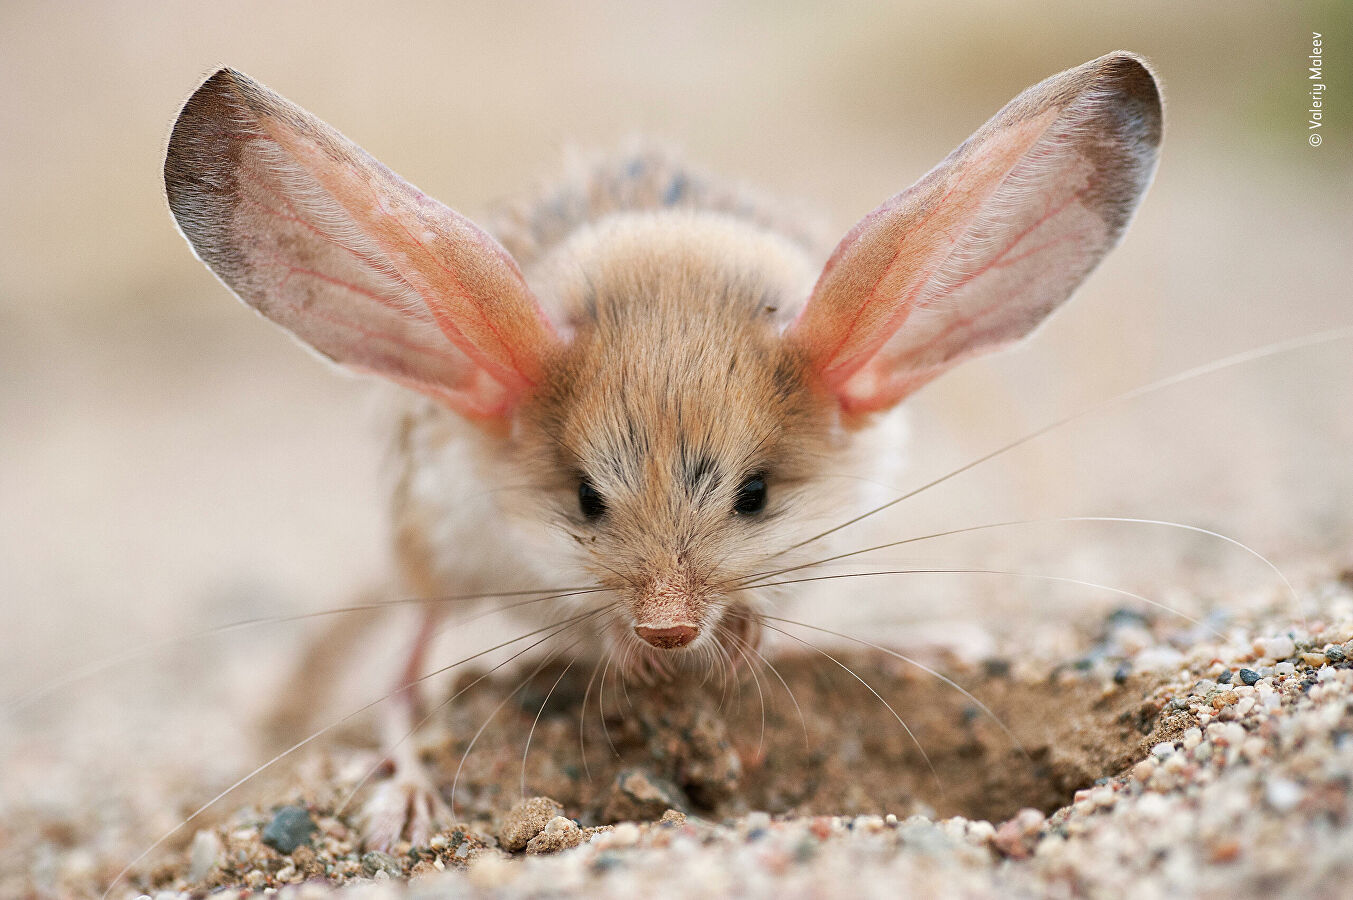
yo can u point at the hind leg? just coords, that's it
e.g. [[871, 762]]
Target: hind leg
[[407, 804]]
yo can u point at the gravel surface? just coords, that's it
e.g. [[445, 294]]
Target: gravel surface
[[1210, 760]]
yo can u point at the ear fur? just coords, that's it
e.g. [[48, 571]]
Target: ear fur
[[979, 251], [315, 234]]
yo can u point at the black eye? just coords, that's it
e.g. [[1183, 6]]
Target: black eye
[[589, 501], [751, 497]]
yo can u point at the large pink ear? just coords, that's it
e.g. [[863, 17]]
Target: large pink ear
[[979, 251], [318, 236]]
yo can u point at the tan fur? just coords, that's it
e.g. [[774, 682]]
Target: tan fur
[[675, 368]]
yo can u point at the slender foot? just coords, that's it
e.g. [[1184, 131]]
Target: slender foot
[[407, 804]]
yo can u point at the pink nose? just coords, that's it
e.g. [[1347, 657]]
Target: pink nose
[[667, 638]]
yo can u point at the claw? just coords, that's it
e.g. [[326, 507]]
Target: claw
[[406, 806]]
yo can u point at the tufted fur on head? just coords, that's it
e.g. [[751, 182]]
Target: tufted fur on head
[[659, 340]]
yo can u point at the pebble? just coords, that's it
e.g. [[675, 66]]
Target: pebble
[[638, 796], [626, 834], [526, 820], [375, 862], [291, 827], [202, 857], [1282, 794], [492, 871], [1235, 793], [1279, 647], [1017, 837], [559, 834]]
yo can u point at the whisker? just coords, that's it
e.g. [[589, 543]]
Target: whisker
[[469, 748], [99, 666], [924, 668], [310, 739], [708, 673], [601, 702], [925, 756], [760, 695], [731, 675], [1291, 591], [370, 773], [582, 715], [621, 669], [1235, 359], [1055, 578], [536, 721], [776, 672], [715, 654]]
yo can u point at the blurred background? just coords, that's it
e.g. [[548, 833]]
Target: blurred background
[[169, 461]]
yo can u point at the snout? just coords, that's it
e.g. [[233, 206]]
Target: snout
[[667, 638]]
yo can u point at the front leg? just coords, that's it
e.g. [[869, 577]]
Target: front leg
[[407, 804]]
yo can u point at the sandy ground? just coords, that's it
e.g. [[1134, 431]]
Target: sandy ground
[[1205, 759]]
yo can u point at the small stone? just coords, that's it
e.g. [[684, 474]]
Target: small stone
[[1335, 654], [1224, 677], [1282, 794], [375, 862], [1249, 676], [1160, 751], [626, 834], [1284, 668], [1225, 850], [673, 818], [1017, 837], [205, 852], [559, 834], [1279, 647], [1144, 769], [307, 862], [638, 796], [1314, 660], [291, 827], [492, 871], [526, 820]]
